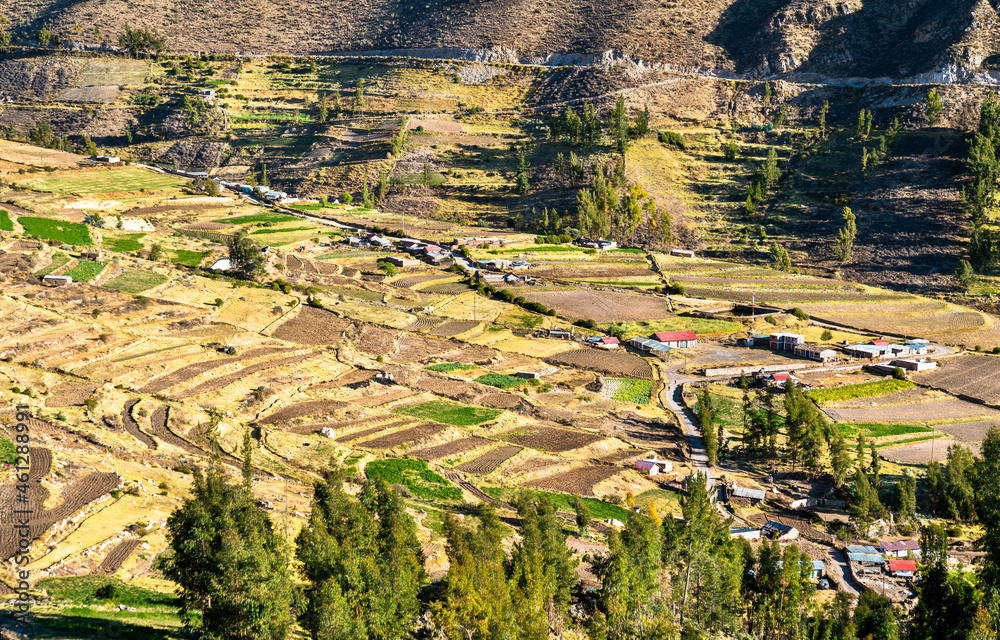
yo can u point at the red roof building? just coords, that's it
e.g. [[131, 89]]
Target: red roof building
[[676, 339], [880, 343], [780, 377], [609, 340], [902, 566]]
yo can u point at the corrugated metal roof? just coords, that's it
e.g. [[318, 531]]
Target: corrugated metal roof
[[745, 492], [902, 565], [865, 557], [900, 545], [818, 565], [673, 336]]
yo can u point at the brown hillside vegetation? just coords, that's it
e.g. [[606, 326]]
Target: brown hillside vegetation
[[851, 38]]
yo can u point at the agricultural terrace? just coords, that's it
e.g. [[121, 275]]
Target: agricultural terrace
[[449, 413], [105, 180], [863, 390], [58, 230], [415, 476]]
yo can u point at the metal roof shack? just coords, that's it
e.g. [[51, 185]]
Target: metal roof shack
[[813, 352], [902, 568], [865, 558], [650, 346], [899, 548], [746, 495], [862, 549], [56, 281], [818, 569]]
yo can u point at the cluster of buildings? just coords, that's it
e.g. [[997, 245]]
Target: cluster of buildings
[[795, 343], [894, 558], [595, 243]]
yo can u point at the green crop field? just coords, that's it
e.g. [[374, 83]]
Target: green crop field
[[630, 390], [59, 261], [459, 415], [447, 367], [288, 230], [115, 180], [415, 476], [6, 224], [876, 430], [86, 270], [680, 323], [864, 390], [48, 229], [188, 258], [136, 281], [501, 381], [258, 217], [128, 242]]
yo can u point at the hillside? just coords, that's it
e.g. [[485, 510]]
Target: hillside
[[847, 38]]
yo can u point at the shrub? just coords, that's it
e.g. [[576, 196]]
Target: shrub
[[730, 150], [898, 374], [8, 451], [800, 314], [671, 138], [826, 335], [675, 288], [770, 320]]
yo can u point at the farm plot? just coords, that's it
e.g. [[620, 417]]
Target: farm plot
[[489, 461], [789, 296], [159, 422], [422, 323], [580, 480], [552, 439], [415, 476], [223, 381], [454, 389], [935, 450], [379, 399], [406, 436], [602, 306], [106, 180], [70, 394], [928, 411], [86, 270], [501, 381], [974, 376], [968, 432], [628, 390], [609, 362], [74, 497], [355, 379], [370, 431], [906, 396], [72, 233], [458, 415], [855, 391], [502, 401], [376, 341], [448, 449], [114, 560], [136, 281], [410, 282], [453, 328], [132, 427], [418, 348], [185, 373], [313, 408], [924, 324], [312, 326]]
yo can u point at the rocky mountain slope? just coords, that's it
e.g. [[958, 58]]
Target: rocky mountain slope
[[952, 41]]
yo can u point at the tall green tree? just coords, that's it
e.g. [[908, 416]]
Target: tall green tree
[[521, 183], [362, 563], [705, 412], [932, 106], [475, 602], [245, 260], [905, 496], [844, 246], [229, 562], [618, 125], [779, 258], [987, 491], [875, 617], [825, 109]]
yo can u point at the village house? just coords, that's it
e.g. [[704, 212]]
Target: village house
[[899, 548], [654, 467], [603, 342], [912, 364], [865, 559], [773, 529], [682, 253], [902, 568], [91, 254], [676, 339], [878, 349], [402, 262], [747, 533], [479, 242], [785, 341], [813, 352]]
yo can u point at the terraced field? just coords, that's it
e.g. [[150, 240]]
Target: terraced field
[[489, 461]]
